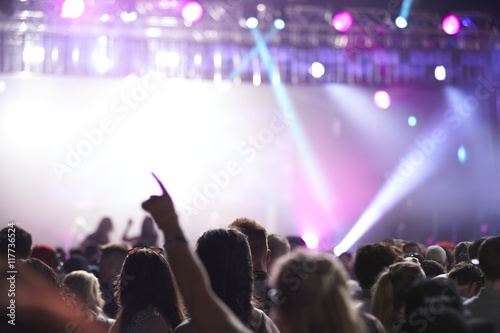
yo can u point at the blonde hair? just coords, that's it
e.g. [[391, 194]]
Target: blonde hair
[[389, 292], [85, 286], [311, 294]]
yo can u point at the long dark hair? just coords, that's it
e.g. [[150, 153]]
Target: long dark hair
[[226, 256], [146, 279]]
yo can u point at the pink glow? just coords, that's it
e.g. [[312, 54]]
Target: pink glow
[[192, 11], [451, 24], [342, 21], [382, 99]]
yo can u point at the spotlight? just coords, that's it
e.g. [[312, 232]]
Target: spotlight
[[72, 9], [252, 23], [279, 24], [462, 154], [342, 21], [451, 24], [440, 73], [317, 70], [412, 121], [401, 22], [35, 54], [192, 11], [311, 240], [382, 99]]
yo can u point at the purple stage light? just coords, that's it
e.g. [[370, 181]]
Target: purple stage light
[[72, 9], [382, 99], [342, 21], [192, 11], [451, 24]]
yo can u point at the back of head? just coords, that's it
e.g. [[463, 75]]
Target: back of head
[[278, 245], [390, 291], [411, 247], [112, 257], [225, 253], [86, 287], [296, 242], [435, 293], [432, 268], [489, 258], [22, 239], [146, 279], [45, 253], [311, 294], [466, 273], [257, 237], [34, 265], [436, 253], [370, 261], [473, 249], [460, 253]]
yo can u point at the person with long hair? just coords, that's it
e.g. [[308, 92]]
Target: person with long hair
[[85, 287], [100, 236], [225, 253], [310, 295], [148, 236], [147, 294], [388, 302]]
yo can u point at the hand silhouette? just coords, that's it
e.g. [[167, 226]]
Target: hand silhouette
[[161, 207]]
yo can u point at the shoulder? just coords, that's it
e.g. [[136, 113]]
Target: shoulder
[[262, 323], [154, 324]]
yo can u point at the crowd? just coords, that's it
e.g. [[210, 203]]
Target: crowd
[[243, 279]]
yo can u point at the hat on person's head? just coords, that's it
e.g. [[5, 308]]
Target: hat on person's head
[[436, 253]]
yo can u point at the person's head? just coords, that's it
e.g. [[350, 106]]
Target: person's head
[[468, 278], [76, 262], [45, 253], [473, 249], [296, 242], [85, 287], [112, 257], [411, 247], [489, 259], [146, 280], [370, 261], [22, 239], [432, 268], [46, 272], [311, 295], [436, 253], [225, 253], [148, 227], [460, 253], [105, 226], [389, 292], [257, 239], [278, 245]]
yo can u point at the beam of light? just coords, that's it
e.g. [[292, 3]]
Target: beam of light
[[402, 19], [310, 164]]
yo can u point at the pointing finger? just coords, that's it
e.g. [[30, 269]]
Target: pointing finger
[[161, 185]]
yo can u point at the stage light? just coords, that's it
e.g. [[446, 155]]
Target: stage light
[[261, 7], [317, 70], [167, 59], [451, 24], [55, 55], [440, 73], [401, 22], [279, 24], [412, 121], [72, 9], [105, 18], [3, 86], [75, 56], [192, 11], [342, 21], [311, 240], [462, 154], [101, 63], [382, 99], [252, 23], [34, 54], [128, 17]]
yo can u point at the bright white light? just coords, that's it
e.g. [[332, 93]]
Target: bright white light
[[34, 54], [55, 54], [440, 73], [128, 17], [102, 41], [462, 154], [311, 240], [261, 7], [401, 22], [197, 59], [72, 9], [382, 99], [153, 32], [192, 12], [412, 121], [167, 59], [3, 86], [105, 18], [252, 23], [75, 56], [279, 24], [317, 70], [102, 63]]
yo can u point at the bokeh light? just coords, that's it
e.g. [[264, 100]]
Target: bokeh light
[[252, 23], [311, 240], [279, 24], [192, 11], [412, 121], [382, 99], [401, 22], [462, 154], [3, 86], [317, 70], [451, 24], [342, 21], [440, 73], [72, 9]]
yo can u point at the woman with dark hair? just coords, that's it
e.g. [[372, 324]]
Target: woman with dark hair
[[148, 236], [225, 253], [147, 294], [100, 236]]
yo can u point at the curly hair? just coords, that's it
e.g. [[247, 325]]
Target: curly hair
[[146, 279], [225, 253]]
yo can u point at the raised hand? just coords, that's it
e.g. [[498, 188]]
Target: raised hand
[[161, 208]]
